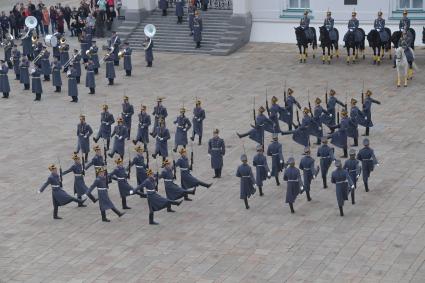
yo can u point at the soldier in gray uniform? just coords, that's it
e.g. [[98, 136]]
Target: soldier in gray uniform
[[120, 132], [8, 54], [216, 151], [190, 16], [141, 167], [85, 43], [90, 76], [45, 64], [305, 26], [326, 155], [64, 53], [97, 161], [197, 29], [163, 5], [188, 181], [368, 159], [27, 49], [404, 26], [162, 135], [127, 59], [367, 110], [84, 131], [353, 25], [330, 108], [95, 57], [179, 11], [159, 112], [183, 125], [247, 184], [114, 43], [354, 169], [329, 24], [4, 79], [343, 183], [77, 65], [59, 196], [56, 74], [379, 26], [261, 168], [105, 203], [309, 171], [172, 190], [110, 69], [275, 151], [294, 183], [148, 51], [36, 83], [24, 75], [16, 56], [198, 121], [143, 128], [72, 83], [106, 121], [127, 114]]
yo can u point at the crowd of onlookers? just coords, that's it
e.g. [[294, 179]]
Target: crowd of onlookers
[[97, 14]]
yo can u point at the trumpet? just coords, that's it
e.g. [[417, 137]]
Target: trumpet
[[111, 50], [121, 54], [90, 52]]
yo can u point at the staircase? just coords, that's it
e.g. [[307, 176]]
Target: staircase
[[173, 37]]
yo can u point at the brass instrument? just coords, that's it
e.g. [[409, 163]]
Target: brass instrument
[[8, 42], [30, 23], [63, 46], [34, 40], [66, 65], [39, 56], [150, 31], [111, 50], [90, 52], [121, 54]]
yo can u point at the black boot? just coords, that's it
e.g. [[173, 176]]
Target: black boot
[[260, 189], [86, 156], [205, 185], [77, 79], [215, 173], [219, 172], [291, 206], [341, 211], [366, 186], [200, 140], [277, 179], [58, 89], [80, 203], [186, 198], [246, 203], [108, 142], [104, 219], [37, 97], [117, 212], [55, 212], [192, 138], [26, 86], [96, 71], [111, 82], [151, 222], [356, 142], [169, 208], [92, 91], [367, 132], [92, 198], [308, 196], [345, 153], [352, 197], [324, 182], [124, 203]]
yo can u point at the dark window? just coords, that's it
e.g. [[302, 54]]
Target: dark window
[[350, 2]]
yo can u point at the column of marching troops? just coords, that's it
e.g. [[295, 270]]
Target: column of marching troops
[[33, 50]]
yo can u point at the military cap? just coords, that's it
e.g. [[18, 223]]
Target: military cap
[[274, 99], [100, 169], [96, 147], [125, 97], [143, 107], [261, 109], [275, 136], [318, 100], [118, 160], [353, 101], [354, 13], [161, 121], [259, 147], [405, 12], [332, 92], [306, 110], [352, 151], [291, 161], [165, 162], [305, 12], [120, 120], [328, 13], [338, 163], [159, 99], [366, 142], [182, 150], [75, 50], [138, 148], [244, 157], [82, 116], [149, 172], [104, 106], [324, 140], [216, 131], [52, 167], [198, 102], [290, 91], [75, 157], [380, 13], [368, 92], [344, 112], [182, 110], [306, 149]]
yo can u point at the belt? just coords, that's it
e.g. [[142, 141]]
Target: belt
[[183, 169], [342, 182], [126, 113], [368, 159], [260, 165], [98, 166], [104, 122], [102, 189], [77, 175], [139, 166], [120, 178], [55, 186], [246, 176], [275, 153], [168, 180], [71, 78], [215, 148], [90, 71], [292, 180], [306, 169], [355, 170], [150, 190], [180, 126], [325, 157], [127, 55]]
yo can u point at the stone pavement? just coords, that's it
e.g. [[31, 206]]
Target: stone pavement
[[213, 238]]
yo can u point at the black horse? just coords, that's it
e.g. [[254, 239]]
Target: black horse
[[350, 43], [395, 38], [326, 42], [377, 45], [303, 42], [423, 35]]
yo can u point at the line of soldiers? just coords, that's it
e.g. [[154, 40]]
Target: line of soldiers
[[147, 180], [311, 125]]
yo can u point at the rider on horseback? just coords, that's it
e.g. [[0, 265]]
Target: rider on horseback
[[379, 26], [353, 25], [329, 24], [305, 26], [404, 25], [405, 44]]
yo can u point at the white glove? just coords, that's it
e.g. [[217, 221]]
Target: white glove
[[85, 137], [161, 139], [320, 128], [209, 155], [269, 174], [331, 115], [184, 129], [281, 161], [84, 196], [199, 120], [302, 188], [131, 192], [377, 164], [38, 192], [352, 187]]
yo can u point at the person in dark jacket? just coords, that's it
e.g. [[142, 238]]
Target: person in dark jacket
[[343, 183], [180, 11], [261, 168], [368, 159], [247, 180], [352, 166], [216, 151], [294, 182]]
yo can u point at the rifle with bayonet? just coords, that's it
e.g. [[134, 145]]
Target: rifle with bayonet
[[309, 104], [83, 164], [60, 173], [191, 157], [253, 112], [363, 93], [129, 164], [267, 104], [284, 94], [326, 94]]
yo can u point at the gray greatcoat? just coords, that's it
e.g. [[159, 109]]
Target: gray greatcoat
[[216, 149]]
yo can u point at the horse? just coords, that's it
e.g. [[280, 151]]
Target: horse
[[326, 42], [423, 35], [302, 42], [357, 47], [395, 38], [403, 65], [376, 44]]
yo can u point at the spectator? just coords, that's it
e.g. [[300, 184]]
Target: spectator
[[45, 20], [109, 4], [4, 22], [60, 22], [99, 16], [67, 16], [13, 24], [102, 5], [38, 15], [90, 24], [119, 5], [53, 20], [110, 16]]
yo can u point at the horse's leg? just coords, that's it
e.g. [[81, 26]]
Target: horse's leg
[[390, 52], [300, 56], [398, 76], [323, 53], [374, 55], [336, 49], [378, 57], [305, 53], [329, 54], [348, 54], [406, 74]]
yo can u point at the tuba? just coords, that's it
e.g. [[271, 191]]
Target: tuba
[[30, 23], [150, 31]]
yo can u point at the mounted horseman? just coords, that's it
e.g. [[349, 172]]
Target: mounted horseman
[[305, 35], [354, 38], [329, 38], [379, 39]]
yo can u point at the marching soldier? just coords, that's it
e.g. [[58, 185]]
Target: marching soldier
[[24, 75], [162, 135], [59, 196], [16, 56], [56, 50], [305, 25], [186, 178], [330, 108], [294, 183], [127, 114], [379, 26], [84, 131], [275, 151], [179, 11], [198, 121], [27, 49], [163, 5], [367, 110], [160, 112], [329, 25], [56, 74], [85, 42], [127, 59], [183, 125], [64, 54], [353, 25], [95, 57], [90, 76], [114, 44], [368, 159], [353, 168], [97, 161], [172, 190], [80, 188], [45, 64], [143, 128], [106, 121], [139, 162], [261, 123], [110, 70], [77, 65], [247, 184], [72, 83], [155, 201], [358, 118], [120, 132], [339, 138], [148, 51], [301, 134], [120, 175], [261, 168], [290, 101], [216, 151], [319, 115], [36, 83], [4, 79], [197, 29], [8, 54], [278, 113], [191, 16], [343, 183], [309, 171], [105, 203], [326, 155]]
